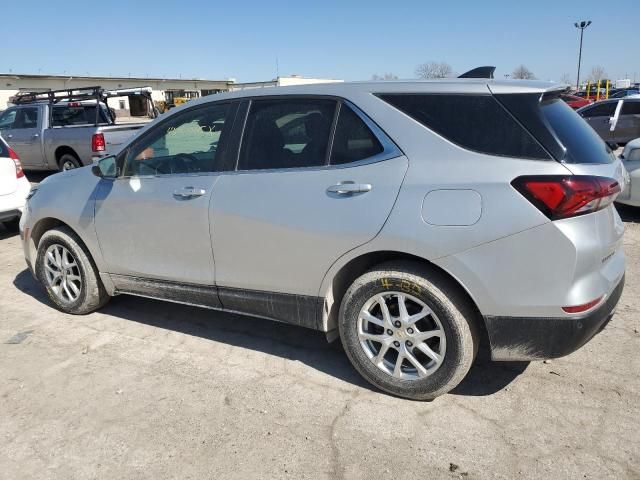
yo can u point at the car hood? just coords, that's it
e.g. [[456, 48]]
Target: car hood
[[68, 175]]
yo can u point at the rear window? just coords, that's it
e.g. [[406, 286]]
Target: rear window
[[80, 115], [474, 122], [582, 143]]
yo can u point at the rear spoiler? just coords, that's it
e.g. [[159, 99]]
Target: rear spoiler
[[479, 72]]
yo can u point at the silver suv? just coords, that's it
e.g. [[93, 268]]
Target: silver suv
[[407, 218]]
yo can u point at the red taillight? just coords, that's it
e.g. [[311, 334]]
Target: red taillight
[[563, 196], [584, 307], [97, 142], [14, 156]]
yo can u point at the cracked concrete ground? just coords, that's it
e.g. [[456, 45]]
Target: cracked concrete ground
[[146, 389]]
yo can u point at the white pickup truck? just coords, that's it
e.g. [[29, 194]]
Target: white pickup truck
[[65, 129]]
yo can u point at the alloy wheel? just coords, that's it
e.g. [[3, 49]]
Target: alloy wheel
[[62, 273], [401, 335]]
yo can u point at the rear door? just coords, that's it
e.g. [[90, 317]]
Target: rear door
[[301, 196], [21, 127]]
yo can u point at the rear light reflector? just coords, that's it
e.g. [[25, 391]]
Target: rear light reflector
[[564, 196], [14, 156], [582, 308], [97, 142]]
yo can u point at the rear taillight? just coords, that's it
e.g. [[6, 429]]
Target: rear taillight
[[584, 307], [97, 142], [14, 156], [564, 196]]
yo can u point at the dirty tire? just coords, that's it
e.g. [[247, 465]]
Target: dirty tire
[[93, 294], [68, 161], [444, 297]]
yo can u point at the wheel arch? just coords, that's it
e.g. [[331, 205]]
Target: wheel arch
[[60, 151], [339, 283]]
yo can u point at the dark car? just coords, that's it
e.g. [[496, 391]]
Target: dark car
[[601, 117]]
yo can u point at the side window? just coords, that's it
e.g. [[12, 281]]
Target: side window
[[475, 122], [353, 140], [7, 118], [77, 115], [26, 117], [287, 133], [630, 107], [601, 110], [186, 143]]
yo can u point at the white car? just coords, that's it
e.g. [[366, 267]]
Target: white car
[[14, 187], [631, 160]]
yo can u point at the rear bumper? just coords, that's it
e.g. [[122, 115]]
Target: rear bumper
[[10, 215], [522, 338]]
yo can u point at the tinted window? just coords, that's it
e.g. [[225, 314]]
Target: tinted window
[[286, 134], [630, 107], [80, 115], [475, 122], [581, 141], [186, 143], [4, 149], [600, 110], [353, 140]]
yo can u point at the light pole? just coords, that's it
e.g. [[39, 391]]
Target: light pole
[[581, 26]]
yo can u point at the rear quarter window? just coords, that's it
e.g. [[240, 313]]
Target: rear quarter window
[[474, 122]]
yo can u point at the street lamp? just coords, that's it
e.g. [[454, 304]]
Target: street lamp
[[581, 26]]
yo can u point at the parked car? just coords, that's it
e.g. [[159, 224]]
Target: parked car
[[57, 131], [576, 102], [624, 93], [14, 187], [631, 160], [602, 118], [403, 217]]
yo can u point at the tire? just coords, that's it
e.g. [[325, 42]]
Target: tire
[[91, 293], [68, 161], [442, 307], [12, 225]]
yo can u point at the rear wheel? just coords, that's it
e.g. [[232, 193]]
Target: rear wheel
[[68, 161], [65, 268], [409, 331]]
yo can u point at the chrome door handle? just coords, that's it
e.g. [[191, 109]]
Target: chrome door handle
[[9, 136], [189, 192], [349, 188], [35, 135]]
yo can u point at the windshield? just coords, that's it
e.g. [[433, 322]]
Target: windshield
[[582, 143]]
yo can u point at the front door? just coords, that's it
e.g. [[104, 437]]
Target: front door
[[301, 197], [21, 128], [153, 220], [628, 127]]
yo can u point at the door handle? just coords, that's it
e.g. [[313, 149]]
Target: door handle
[[349, 188], [35, 135], [9, 136], [189, 192]]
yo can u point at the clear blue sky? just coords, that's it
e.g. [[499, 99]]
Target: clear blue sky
[[337, 39]]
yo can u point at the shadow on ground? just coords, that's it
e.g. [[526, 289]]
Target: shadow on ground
[[628, 213], [6, 233], [287, 341]]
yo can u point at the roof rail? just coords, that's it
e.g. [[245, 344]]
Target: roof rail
[[479, 72], [55, 96]]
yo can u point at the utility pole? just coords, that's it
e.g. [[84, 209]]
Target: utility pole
[[581, 26]]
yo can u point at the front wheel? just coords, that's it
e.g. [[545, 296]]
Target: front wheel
[[65, 268], [409, 331]]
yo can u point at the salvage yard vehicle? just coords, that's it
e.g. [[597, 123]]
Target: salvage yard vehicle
[[631, 160], [616, 121], [405, 218], [14, 187], [65, 129]]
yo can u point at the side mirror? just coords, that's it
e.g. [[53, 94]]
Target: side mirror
[[106, 167], [612, 145]]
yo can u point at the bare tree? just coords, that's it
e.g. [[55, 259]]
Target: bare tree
[[384, 76], [566, 78], [597, 73], [523, 73], [434, 70]]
